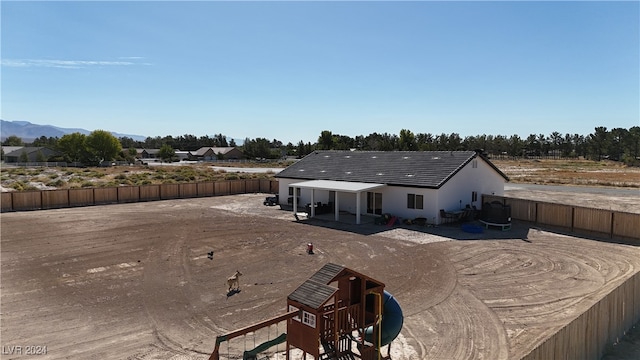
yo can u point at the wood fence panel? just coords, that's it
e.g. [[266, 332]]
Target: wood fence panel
[[596, 220], [127, 194], [604, 323], [626, 225], [206, 188], [108, 195], [222, 188], [169, 191], [554, 214], [188, 190], [265, 186], [522, 209], [591, 326], [149, 192], [236, 186], [6, 201], [55, 199], [252, 186], [81, 197], [27, 200]]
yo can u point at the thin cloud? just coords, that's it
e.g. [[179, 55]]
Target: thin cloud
[[67, 64]]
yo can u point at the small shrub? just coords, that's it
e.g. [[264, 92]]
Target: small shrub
[[56, 183]]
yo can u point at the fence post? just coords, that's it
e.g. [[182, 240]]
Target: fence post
[[612, 227], [573, 217]]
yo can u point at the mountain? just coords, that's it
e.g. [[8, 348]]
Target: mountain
[[29, 132]]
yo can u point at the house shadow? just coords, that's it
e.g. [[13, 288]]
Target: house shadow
[[519, 230]]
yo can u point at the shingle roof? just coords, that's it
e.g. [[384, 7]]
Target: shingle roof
[[313, 294], [215, 150], [315, 291], [26, 149], [430, 169]]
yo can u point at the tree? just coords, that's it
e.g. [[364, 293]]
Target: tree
[[103, 146], [598, 142], [73, 146], [325, 141], [13, 141], [407, 140], [40, 156], [45, 141], [24, 158], [166, 153]]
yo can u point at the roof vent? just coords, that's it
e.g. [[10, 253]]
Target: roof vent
[[326, 156], [374, 157], [348, 173], [323, 171], [301, 170], [405, 157], [435, 158], [347, 156], [379, 174], [410, 175]]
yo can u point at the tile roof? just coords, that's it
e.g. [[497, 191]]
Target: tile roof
[[430, 169]]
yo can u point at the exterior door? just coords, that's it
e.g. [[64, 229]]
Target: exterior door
[[374, 203]]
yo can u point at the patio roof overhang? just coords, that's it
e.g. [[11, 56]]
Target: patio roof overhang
[[332, 185], [337, 186]]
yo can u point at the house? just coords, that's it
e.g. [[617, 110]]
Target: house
[[33, 154], [147, 153], [217, 153], [405, 184]]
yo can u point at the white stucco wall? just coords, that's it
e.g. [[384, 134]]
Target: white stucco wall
[[394, 201], [456, 193]]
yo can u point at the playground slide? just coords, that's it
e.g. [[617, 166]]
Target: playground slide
[[392, 320]]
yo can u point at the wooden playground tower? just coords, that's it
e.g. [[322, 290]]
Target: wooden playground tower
[[327, 314]]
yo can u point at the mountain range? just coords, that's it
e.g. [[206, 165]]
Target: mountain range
[[29, 132]]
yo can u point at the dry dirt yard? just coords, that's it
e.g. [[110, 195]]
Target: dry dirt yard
[[133, 281]]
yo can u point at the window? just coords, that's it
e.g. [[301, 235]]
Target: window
[[309, 319], [415, 201], [291, 191], [293, 308], [474, 196]]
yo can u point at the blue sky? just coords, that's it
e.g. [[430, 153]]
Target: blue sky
[[289, 70]]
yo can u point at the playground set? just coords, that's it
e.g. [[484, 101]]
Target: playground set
[[337, 313]]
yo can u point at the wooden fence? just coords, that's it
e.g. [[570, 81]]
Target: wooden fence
[[576, 219], [54, 199], [588, 336]]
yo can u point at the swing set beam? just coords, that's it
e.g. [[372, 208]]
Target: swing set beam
[[251, 328]]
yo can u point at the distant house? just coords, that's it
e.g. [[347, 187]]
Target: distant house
[[33, 154], [407, 184], [216, 153], [8, 149], [147, 153]]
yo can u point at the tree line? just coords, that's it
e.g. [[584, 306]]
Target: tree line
[[617, 144]]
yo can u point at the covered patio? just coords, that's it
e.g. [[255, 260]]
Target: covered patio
[[337, 187]]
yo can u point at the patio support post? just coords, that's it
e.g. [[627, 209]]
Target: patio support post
[[358, 207], [336, 212], [295, 200], [313, 203]]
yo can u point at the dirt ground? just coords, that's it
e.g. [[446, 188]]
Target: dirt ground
[[133, 281]]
